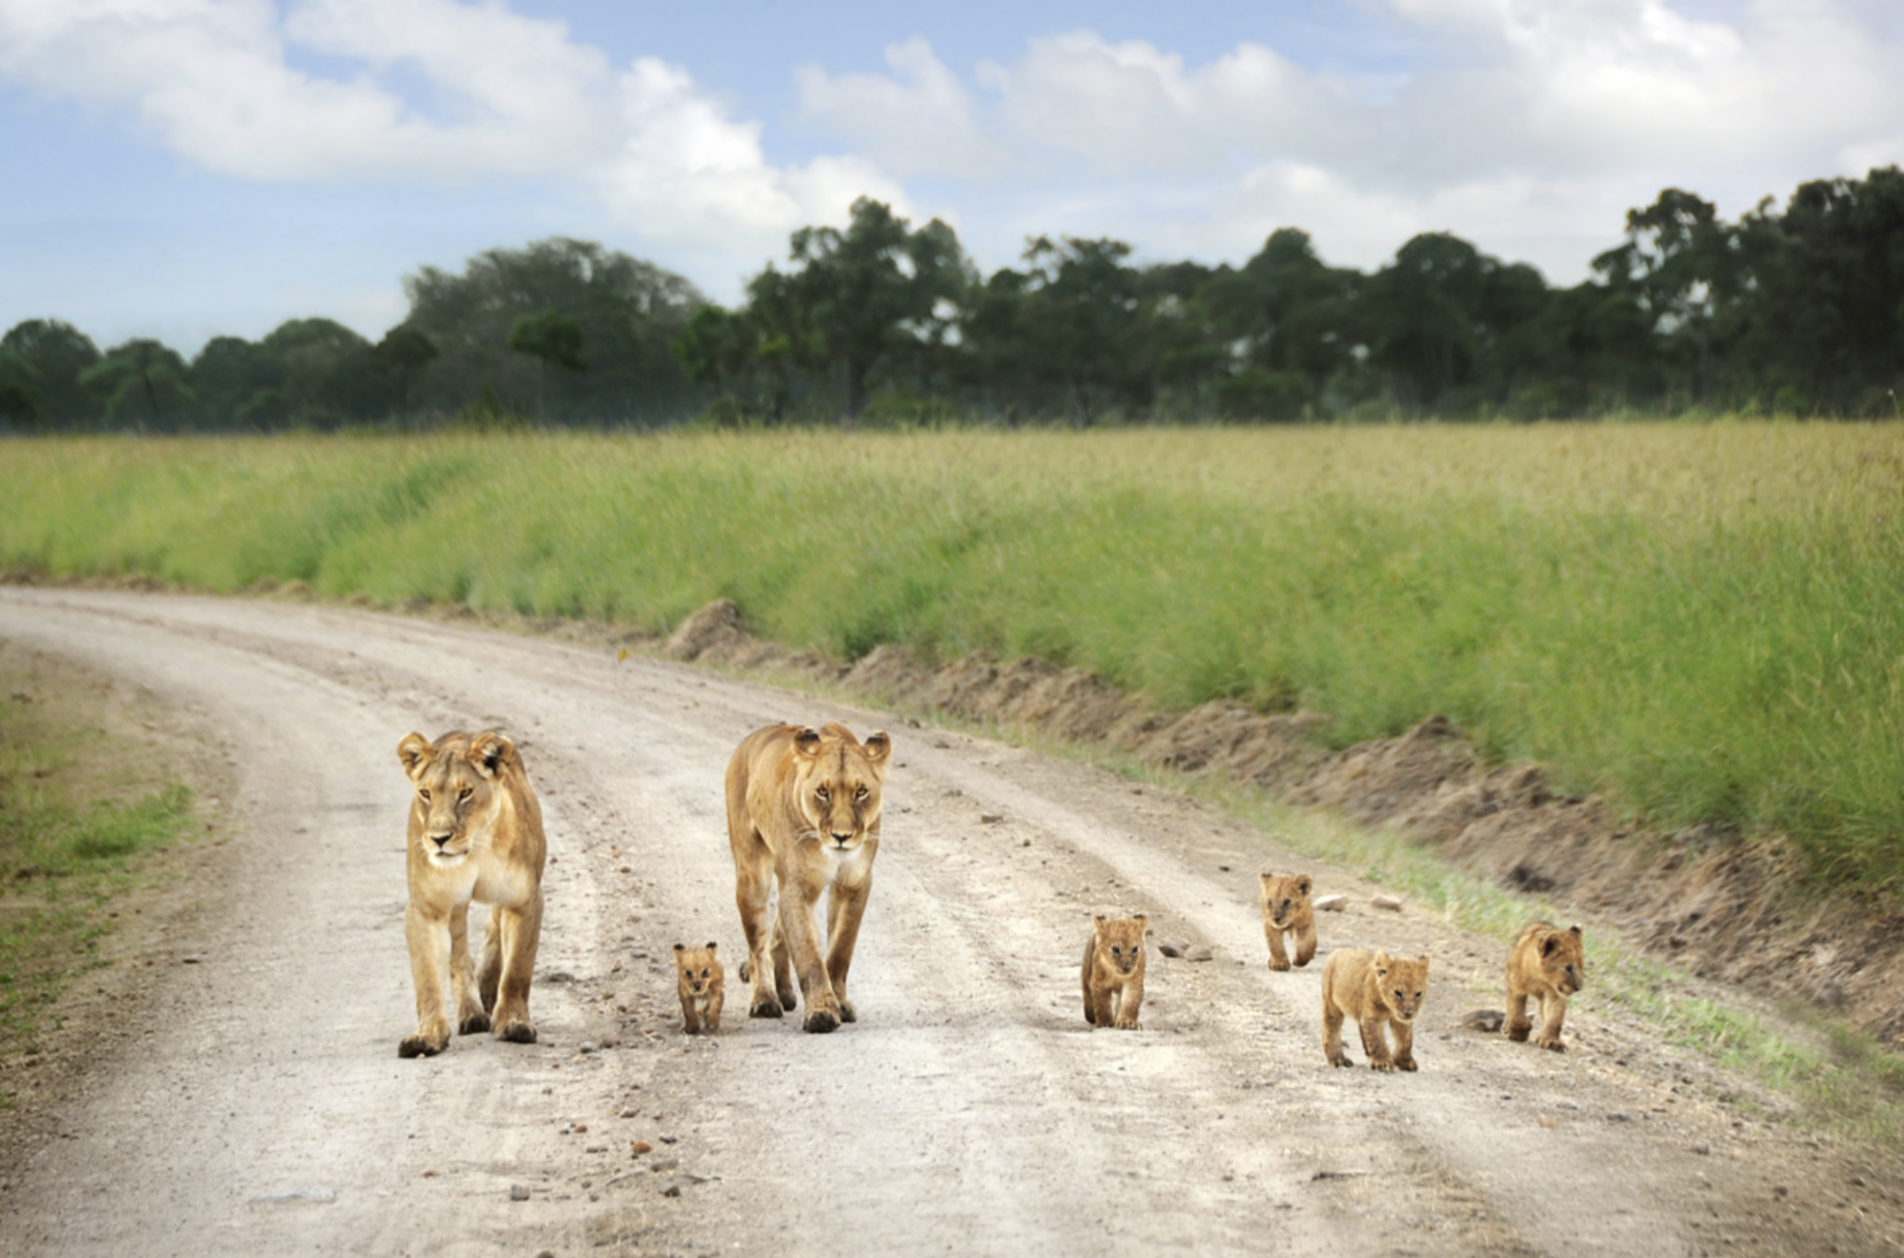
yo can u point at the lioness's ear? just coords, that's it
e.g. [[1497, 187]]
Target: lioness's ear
[[414, 751], [490, 751], [877, 747], [1303, 884], [807, 742]]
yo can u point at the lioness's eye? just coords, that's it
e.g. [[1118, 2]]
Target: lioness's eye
[[861, 793], [424, 796], [466, 792], [823, 793]]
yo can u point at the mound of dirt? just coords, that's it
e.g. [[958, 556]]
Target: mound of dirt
[[1725, 905]]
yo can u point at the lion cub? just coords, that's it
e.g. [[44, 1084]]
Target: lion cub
[[1286, 909], [1548, 964], [1378, 991], [1113, 973], [698, 976]]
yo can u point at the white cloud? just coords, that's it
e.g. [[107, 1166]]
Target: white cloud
[[511, 97], [922, 121]]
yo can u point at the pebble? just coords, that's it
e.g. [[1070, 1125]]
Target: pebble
[[672, 1190], [1702, 1148], [991, 818], [1488, 1020], [639, 1147], [518, 1192], [589, 1047], [1198, 953], [1173, 947], [1619, 1116], [1392, 903], [1330, 903], [669, 1139]]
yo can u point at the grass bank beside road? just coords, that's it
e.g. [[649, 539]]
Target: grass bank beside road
[[1702, 620], [77, 812]]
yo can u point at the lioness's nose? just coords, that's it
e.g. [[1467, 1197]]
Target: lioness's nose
[[842, 839], [441, 839]]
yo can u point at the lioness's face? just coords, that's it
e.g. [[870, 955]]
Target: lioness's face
[[1282, 896], [839, 784], [1403, 984], [1563, 959], [457, 796]]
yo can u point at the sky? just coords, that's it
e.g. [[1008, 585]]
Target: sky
[[184, 169]]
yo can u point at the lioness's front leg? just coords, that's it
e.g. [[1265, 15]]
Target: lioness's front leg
[[429, 938], [519, 930], [753, 895], [472, 1009], [845, 906], [800, 933]]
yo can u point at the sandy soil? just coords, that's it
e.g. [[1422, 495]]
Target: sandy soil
[[241, 1094]]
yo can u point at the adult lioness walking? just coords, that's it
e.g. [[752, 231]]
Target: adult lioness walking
[[475, 834], [803, 813]]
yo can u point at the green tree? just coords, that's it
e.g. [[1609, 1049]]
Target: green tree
[[405, 351], [554, 339], [1679, 260], [238, 383], [1286, 316], [875, 291], [328, 375], [57, 354], [141, 384], [630, 313], [20, 402]]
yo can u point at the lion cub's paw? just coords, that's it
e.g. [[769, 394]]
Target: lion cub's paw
[[822, 1021], [1551, 1041], [473, 1024], [520, 1032]]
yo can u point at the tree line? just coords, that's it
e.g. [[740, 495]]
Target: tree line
[[1793, 310]]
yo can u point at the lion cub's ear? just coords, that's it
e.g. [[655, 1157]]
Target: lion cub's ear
[[1574, 931], [1303, 885], [878, 746], [711, 945], [415, 752], [1266, 880], [1142, 919], [489, 751], [807, 742]]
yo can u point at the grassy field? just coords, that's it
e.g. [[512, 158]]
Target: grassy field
[[1703, 620]]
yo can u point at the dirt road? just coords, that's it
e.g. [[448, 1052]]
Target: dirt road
[[251, 1101]]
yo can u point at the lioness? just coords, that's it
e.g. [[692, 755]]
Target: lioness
[[475, 834], [699, 979], [803, 812], [1378, 991], [1113, 971], [1286, 909], [1548, 964]]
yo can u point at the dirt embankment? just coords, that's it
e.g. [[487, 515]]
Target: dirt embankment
[[1724, 905]]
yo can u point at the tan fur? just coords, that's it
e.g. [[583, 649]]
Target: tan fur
[[475, 835], [699, 978], [1113, 971], [1380, 992], [1287, 910], [803, 819], [1548, 964]]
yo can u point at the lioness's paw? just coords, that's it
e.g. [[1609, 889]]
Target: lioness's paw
[[1381, 1065], [517, 1032], [768, 1007], [1279, 966], [821, 1021], [1518, 1033], [847, 1012], [473, 1024], [1406, 1063], [1340, 1059], [422, 1045]]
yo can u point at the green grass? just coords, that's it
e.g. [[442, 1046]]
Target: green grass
[[1701, 620], [65, 857]]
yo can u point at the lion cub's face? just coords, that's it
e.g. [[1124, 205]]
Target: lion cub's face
[[697, 971], [839, 783], [1563, 960], [1285, 896], [457, 790], [1120, 942], [1402, 983]]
